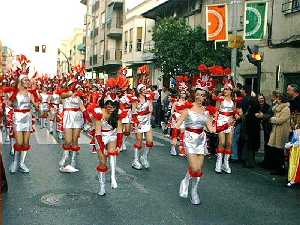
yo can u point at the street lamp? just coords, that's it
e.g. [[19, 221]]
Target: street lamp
[[93, 41], [59, 51]]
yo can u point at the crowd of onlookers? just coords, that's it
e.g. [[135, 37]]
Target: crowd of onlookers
[[264, 126]]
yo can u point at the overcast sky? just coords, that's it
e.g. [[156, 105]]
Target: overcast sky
[[26, 23]]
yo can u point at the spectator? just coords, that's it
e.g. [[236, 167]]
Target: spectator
[[293, 94], [265, 113], [250, 129], [155, 106], [164, 102], [280, 133]]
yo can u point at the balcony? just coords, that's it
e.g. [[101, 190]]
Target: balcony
[[147, 51], [116, 3], [113, 57], [290, 6], [114, 30]]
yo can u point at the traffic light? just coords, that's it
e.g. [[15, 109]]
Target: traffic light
[[43, 48], [37, 48], [255, 57]]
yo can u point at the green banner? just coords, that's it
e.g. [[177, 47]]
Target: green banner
[[255, 23]]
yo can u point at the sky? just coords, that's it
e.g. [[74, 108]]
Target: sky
[[27, 23]]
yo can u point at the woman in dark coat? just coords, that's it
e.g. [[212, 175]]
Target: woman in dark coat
[[250, 132]]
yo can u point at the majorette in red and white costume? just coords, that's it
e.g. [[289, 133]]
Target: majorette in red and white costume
[[74, 115], [197, 119], [141, 119], [54, 106], [108, 133], [226, 112], [125, 100], [94, 98], [21, 98], [44, 96], [179, 106]]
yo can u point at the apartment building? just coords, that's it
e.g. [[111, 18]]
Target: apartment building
[[104, 22], [137, 41], [71, 51]]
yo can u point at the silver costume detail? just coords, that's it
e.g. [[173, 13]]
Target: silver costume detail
[[225, 107], [22, 121], [196, 143], [144, 120], [73, 117]]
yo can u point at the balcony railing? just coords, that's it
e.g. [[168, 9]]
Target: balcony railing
[[113, 55], [290, 6]]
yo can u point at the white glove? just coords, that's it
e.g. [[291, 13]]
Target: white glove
[[273, 120], [288, 145]]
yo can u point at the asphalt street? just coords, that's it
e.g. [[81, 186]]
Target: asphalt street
[[47, 197]]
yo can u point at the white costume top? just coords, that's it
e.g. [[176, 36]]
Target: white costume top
[[226, 111], [143, 110], [22, 118], [73, 117], [195, 139]]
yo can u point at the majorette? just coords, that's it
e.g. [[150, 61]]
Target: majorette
[[141, 118], [197, 118], [108, 132], [22, 99], [178, 107], [74, 115]]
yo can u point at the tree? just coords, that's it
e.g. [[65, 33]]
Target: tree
[[180, 49]]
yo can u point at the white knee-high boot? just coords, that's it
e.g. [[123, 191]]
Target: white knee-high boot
[[65, 156], [14, 164], [113, 165], [173, 150], [12, 143], [51, 126], [102, 170], [22, 165], [144, 158], [195, 198], [136, 162], [184, 186], [218, 168], [225, 167]]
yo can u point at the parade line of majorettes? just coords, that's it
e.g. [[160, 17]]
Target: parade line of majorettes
[[110, 113]]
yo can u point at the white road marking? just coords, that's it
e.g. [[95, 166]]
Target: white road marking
[[84, 139], [137, 185], [43, 137]]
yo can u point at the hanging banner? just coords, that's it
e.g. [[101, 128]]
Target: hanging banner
[[216, 23], [255, 24]]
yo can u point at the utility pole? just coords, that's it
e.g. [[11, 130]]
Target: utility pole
[[235, 5]]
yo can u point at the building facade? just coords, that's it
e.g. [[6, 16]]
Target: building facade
[[104, 24], [71, 52], [281, 49], [6, 59]]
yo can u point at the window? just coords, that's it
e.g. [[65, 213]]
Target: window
[[139, 35], [101, 48], [126, 42], [290, 6], [130, 39], [103, 19], [296, 4]]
